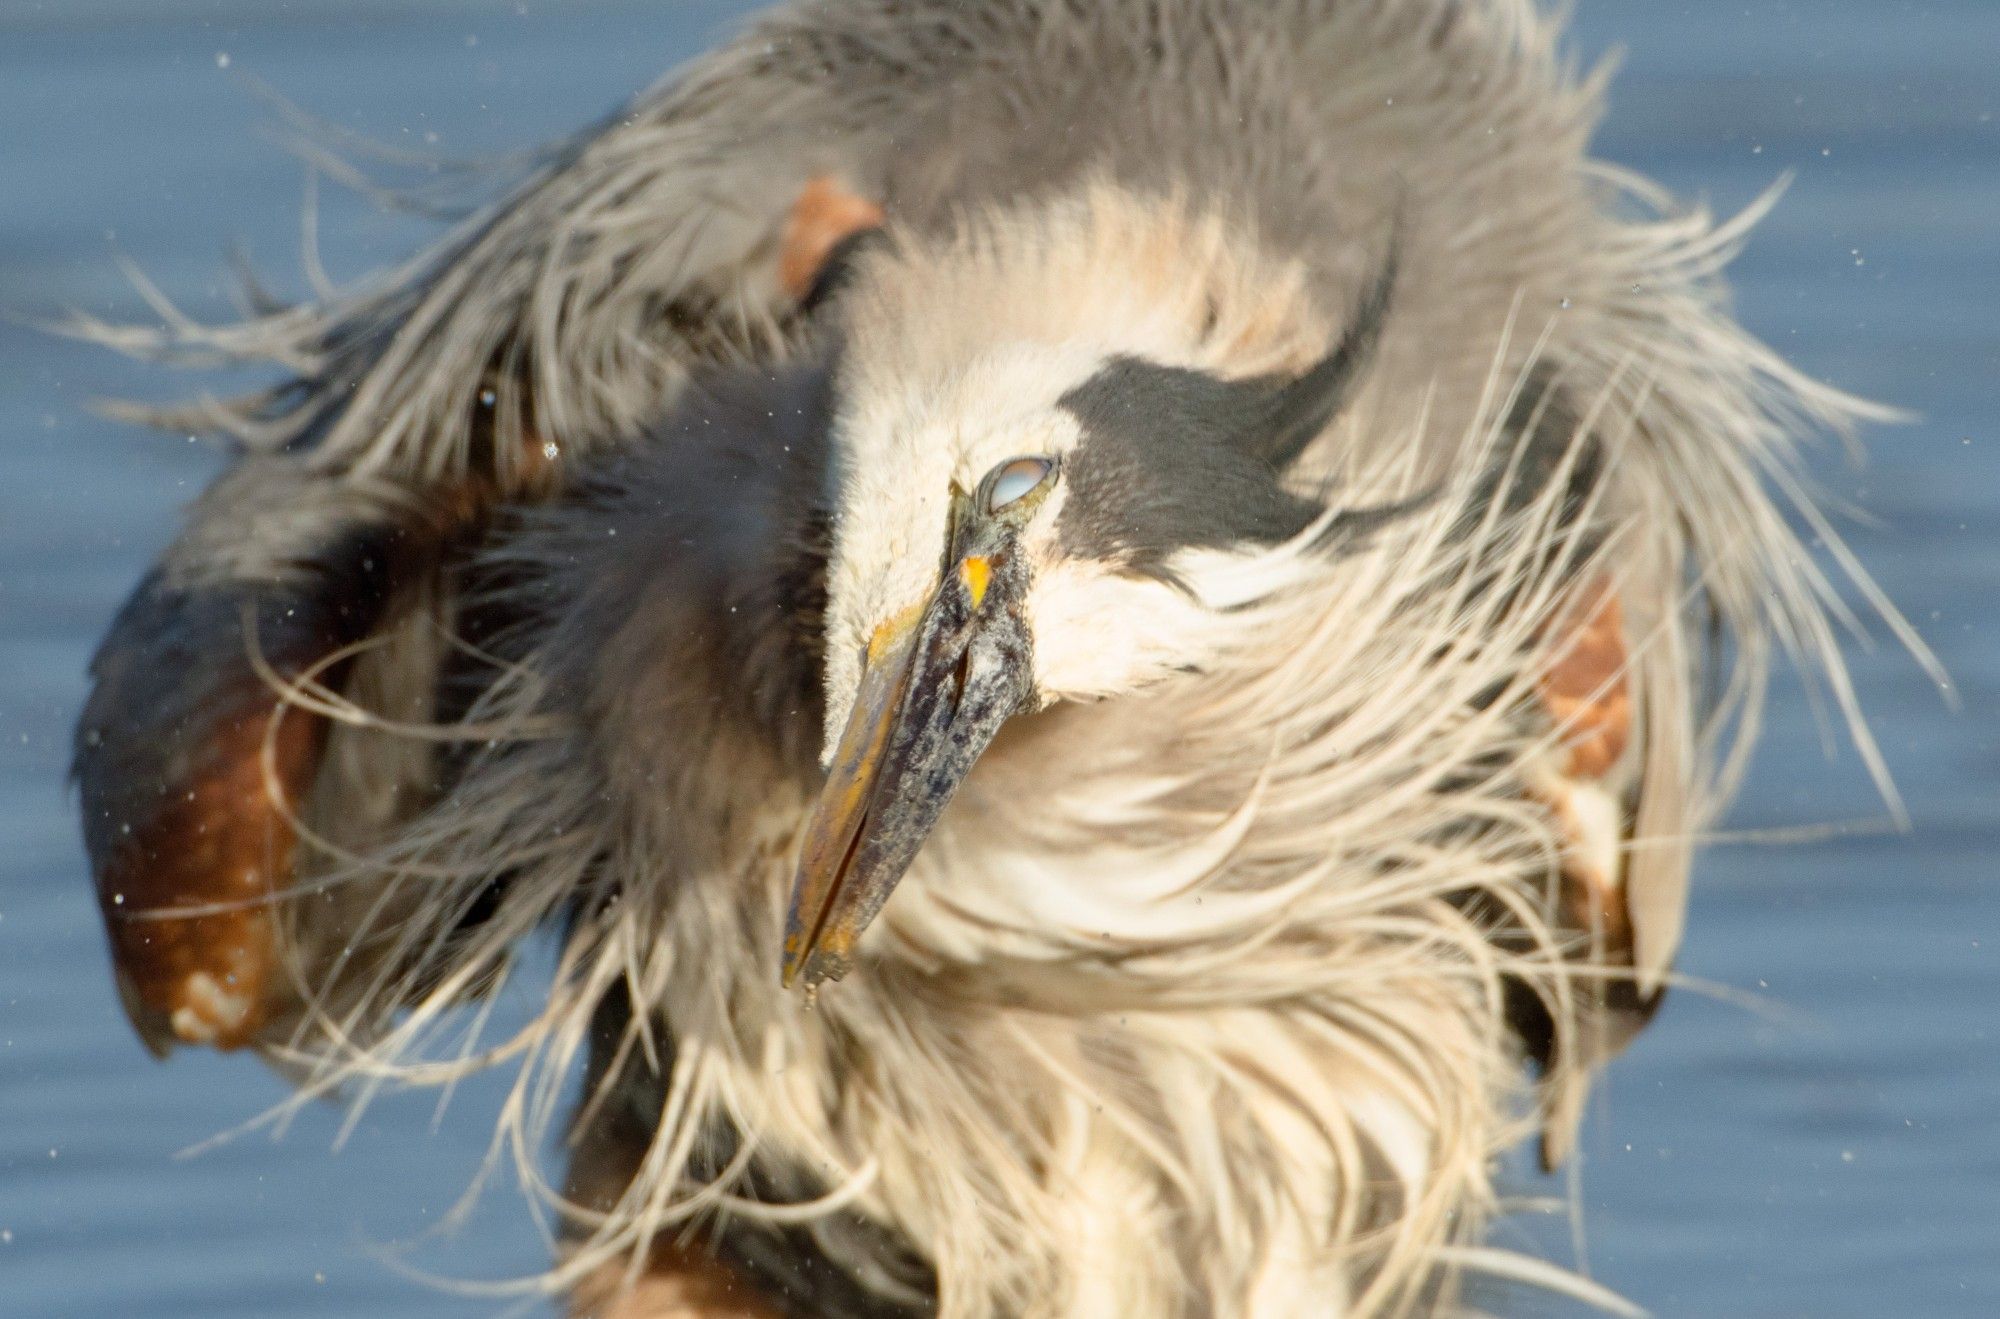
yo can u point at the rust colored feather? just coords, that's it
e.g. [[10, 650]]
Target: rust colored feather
[[223, 844], [1584, 688], [1588, 782], [187, 841], [825, 215], [1585, 693]]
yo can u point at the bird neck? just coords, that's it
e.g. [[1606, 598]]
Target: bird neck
[[1175, 1056]]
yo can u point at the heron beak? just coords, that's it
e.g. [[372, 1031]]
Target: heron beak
[[936, 685]]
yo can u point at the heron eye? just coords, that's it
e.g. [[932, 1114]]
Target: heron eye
[[1016, 479]]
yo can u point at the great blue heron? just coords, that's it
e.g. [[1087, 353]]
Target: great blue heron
[[1175, 548]]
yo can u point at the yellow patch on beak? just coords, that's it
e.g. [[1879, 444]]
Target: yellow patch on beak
[[976, 572]]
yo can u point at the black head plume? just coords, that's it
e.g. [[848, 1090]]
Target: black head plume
[[1297, 411], [1174, 458], [838, 270]]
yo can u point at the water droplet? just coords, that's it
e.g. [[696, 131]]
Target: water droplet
[[550, 451], [1567, 304], [487, 398]]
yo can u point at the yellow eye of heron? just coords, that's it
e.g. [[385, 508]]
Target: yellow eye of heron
[[1016, 479]]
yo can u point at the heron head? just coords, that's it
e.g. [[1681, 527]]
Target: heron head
[[1013, 528]]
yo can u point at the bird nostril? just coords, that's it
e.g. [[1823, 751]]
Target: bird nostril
[[961, 677]]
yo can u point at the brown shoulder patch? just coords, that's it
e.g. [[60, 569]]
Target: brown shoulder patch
[[1584, 687], [186, 820], [825, 214], [219, 842], [1588, 780]]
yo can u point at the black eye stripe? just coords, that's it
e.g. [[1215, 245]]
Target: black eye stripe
[[1173, 458], [1162, 466]]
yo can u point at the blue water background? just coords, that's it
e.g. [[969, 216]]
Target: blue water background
[[1821, 1140]]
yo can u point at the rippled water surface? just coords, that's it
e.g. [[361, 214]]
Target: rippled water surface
[[1820, 1137]]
